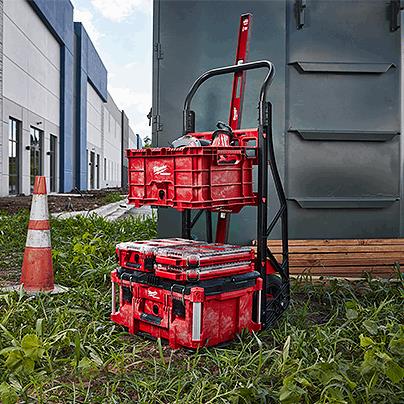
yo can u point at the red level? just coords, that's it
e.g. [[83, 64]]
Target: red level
[[239, 79], [236, 107]]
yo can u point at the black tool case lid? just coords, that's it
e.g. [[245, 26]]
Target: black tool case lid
[[211, 286]]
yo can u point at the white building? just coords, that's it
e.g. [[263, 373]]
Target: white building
[[58, 118]]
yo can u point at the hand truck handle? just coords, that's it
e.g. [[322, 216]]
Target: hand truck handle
[[189, 116], [265, 150]]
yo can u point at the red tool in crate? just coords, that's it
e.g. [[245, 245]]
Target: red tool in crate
[[196, 293]]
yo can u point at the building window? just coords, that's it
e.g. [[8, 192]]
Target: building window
[[36, 160], [14, 133], [105, 168], [92, 170], [98, 171], [53, 159]]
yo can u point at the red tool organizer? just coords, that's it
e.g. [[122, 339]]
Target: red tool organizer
[[195, 293]]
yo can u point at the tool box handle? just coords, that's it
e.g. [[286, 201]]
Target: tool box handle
[[226, 157]]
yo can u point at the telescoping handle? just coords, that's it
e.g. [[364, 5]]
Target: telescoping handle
[[189, 116]]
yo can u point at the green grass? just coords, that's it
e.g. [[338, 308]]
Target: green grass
[[111, 197], [337, 343]]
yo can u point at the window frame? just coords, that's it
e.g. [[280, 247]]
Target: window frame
[[14, 138]]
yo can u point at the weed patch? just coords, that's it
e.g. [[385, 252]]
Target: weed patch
[[111, 197], [338, 342]]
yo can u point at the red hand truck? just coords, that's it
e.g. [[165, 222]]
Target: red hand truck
[[167, 287]]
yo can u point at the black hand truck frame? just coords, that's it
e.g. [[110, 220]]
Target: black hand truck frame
[[271, 308]]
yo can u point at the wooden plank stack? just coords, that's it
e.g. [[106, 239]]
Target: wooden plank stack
[[343, 258]]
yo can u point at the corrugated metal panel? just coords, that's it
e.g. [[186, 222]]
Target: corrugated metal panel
[[343, 100], [336, 104]]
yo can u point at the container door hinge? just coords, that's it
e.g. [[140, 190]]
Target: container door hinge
[[395, 7], [158, 50], [157, 126], [300, 9]]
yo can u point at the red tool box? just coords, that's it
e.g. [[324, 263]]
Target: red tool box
[[192, 178], [189, 314], [140, 255], [190, 288], [184, 260], [203, 261]]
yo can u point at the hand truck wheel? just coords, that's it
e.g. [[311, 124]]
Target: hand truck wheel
[[277, 296]]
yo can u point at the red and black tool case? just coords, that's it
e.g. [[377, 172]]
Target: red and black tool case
[[192, 294], [187, 314], [140, 255], [184, 259]]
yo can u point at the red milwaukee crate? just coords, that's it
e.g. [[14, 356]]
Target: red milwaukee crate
[[140, 255], [191, 178], [193, 315]]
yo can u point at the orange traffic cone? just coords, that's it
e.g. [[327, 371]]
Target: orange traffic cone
[[37, 270]]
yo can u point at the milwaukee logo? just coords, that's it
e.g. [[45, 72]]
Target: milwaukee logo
[[162, 170], [152, 293], [235, 114]]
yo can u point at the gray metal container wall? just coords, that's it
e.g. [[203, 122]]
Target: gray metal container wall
[[336, 103]]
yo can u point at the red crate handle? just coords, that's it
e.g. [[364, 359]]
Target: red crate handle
[[228, 157]]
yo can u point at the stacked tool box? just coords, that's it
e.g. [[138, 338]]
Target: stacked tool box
[[190, 293]]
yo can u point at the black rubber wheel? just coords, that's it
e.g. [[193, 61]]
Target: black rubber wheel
[[277, 295], [274, 286]]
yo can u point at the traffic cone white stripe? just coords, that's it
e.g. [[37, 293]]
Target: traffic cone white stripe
[[39, 209], [38, 239]]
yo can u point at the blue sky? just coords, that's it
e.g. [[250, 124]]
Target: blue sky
[[121, 30]]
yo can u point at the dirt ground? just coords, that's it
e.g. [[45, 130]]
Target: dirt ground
[[87, 200]]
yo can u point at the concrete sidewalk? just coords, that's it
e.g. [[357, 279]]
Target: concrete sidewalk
[[113, 211]]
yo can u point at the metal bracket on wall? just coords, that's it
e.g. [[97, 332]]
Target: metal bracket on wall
[[344, 203], [395, 7], [157, 126], [158, 50], [345, 135], [300, 8], [342, 67]]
